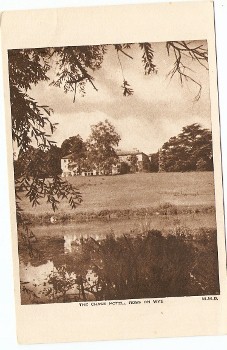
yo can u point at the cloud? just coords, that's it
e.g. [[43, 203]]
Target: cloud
[[157, 110]]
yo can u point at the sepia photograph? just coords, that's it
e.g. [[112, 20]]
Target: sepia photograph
[[113, 172]]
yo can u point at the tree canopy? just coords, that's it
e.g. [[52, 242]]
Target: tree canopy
[[191, 150], [73, 145], [100, 145]]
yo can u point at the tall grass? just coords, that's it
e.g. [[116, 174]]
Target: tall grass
[[166, 209]]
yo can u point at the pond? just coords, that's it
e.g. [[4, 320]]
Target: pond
[[56, 269]]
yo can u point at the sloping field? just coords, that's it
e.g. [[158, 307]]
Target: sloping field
[[135, 191]]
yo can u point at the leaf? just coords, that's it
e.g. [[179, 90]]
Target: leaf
[[127, 90], [147, 58]]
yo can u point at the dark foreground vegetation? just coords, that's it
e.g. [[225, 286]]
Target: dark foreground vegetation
[[126, 267]]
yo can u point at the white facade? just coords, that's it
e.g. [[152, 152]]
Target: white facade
[[70, 168], [126, 157], [67, 167]]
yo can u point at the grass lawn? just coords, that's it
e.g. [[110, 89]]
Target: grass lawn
[[135, 191]]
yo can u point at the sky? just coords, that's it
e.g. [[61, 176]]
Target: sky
[[158, 109]]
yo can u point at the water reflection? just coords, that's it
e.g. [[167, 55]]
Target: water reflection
[[47, 283], [72, 265], [72, 242], [59, 274], [32, 280]]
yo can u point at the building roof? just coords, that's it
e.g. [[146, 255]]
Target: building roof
[[129, 153], [118, 152], [68, 156]]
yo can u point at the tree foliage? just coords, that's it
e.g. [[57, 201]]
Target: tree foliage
[[191, 150], [133, 163], [35, 162], [100, 146], [154, 162], [74, 145], [184, 51]]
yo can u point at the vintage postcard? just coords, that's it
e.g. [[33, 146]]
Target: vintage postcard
[[115, 172]]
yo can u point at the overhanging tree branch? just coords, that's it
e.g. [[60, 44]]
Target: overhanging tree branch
[[190, 51]]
